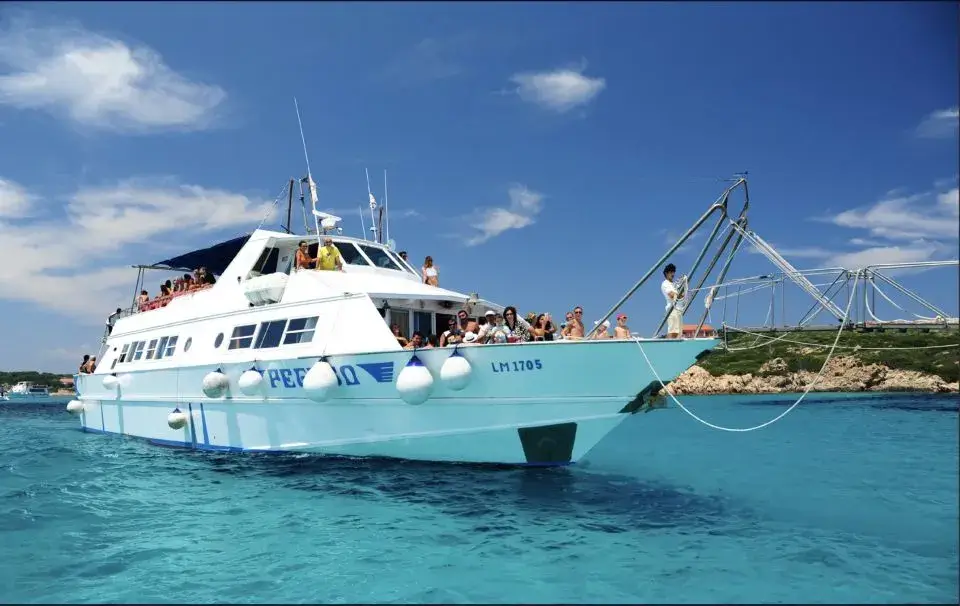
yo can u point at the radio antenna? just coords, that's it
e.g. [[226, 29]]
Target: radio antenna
[[386, 207], [373, 207]]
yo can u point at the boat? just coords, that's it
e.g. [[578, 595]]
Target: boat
[[27, 391], [270, 358]]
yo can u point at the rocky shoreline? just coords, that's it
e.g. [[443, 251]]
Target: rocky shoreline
[[842, 374]]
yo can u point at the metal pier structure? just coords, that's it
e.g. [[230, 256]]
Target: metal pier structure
[[871, 282]]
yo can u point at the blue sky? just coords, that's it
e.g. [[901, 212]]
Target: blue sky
[[542, 153]]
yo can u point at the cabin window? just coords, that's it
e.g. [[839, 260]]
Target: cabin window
[[242, 337], [300, 330], [151, 350], [161, 347], [267, 263], [350, 254], [379, 257], [172, 346], [137, 352], [123, 354], [270, 334]]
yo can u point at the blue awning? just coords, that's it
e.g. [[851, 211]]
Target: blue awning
[[215, 258]]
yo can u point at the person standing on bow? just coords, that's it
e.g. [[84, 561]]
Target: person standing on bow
[[674, 302], [328, 257]]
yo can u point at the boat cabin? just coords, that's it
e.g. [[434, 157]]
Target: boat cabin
[[261, 267]]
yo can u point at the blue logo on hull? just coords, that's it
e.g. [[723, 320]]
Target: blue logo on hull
[[292, 378], [382, 372]]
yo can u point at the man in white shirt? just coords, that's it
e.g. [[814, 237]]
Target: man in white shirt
[[670, 293]]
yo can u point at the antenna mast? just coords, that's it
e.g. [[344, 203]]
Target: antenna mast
[[313, 186], [289, 205], [386, 207], [373, 207]]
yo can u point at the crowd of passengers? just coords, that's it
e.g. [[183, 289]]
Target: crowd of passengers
[[169, 290], [509, 327]]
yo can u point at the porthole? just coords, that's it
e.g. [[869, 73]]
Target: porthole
[[219, 341], [186, 346]]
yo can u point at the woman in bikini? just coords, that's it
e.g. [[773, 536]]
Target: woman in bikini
[[429, 271]]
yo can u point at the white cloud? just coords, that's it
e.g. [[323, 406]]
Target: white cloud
[[903, 229], [79, 262], [906, 217], [878, 255], [14, 200], [525, 205], [558, 90], [941, 124], [99, 82]]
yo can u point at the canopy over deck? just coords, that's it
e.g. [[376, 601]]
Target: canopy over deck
[[215, 258]]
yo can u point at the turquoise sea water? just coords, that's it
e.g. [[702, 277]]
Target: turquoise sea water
[[844, 500]]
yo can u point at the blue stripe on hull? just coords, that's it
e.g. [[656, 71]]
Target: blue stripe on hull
[[214, 448]]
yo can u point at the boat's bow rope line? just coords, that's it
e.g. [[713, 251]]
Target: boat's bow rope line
[[816, 379]]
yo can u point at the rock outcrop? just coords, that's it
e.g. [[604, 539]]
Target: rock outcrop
[[842, 373]]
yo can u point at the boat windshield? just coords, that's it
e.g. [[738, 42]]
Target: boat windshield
[[380, 257]]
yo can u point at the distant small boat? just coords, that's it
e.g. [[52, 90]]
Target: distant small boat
[[25, 390]]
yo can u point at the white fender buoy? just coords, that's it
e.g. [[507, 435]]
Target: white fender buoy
[[110, 382], [319, 380], [250, 382], [177, 419], [414, 383], [215, 383], [75, 407], [456, 371]]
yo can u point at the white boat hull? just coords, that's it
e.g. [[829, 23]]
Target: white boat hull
[[534, 403]]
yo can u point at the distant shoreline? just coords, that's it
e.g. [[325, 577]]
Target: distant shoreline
[[843, 374]]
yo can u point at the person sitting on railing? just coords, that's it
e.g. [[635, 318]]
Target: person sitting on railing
[[205, 278], [602, 331], [518, 330], [452, 335], [90, 365], [674, 304], [402, 340], [416, 341], [539, 328], [621, 331], [83, 365], [574, 327], [143, 300], [329, 257], [303, 259]]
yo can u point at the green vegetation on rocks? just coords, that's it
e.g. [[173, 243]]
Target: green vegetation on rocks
[[943, 362], [47, 379]]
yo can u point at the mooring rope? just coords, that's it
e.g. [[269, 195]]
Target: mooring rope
[[809, 387]]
